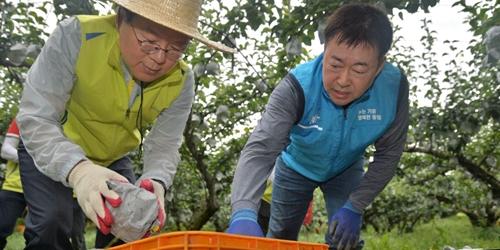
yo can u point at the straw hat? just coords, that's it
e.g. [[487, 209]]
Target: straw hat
[[179, 15]]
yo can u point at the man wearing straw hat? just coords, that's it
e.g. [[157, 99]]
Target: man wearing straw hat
[[98, 82]]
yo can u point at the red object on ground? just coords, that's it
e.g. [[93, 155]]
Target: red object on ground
[[309, 215]]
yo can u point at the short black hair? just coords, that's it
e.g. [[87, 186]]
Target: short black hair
[[125, 14], [359, 23]]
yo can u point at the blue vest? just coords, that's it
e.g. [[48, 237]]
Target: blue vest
[[329, 138]]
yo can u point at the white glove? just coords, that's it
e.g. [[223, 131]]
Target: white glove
[[157, 189], [88, 181]]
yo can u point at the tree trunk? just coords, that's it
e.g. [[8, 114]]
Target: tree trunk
[[473, 218], [211, 205]]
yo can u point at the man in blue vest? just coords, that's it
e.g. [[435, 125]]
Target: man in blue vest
[[316, 127], [97, 83]]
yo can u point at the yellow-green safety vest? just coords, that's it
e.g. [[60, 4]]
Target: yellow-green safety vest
[[268, 192], [12, 178], [96, 117]]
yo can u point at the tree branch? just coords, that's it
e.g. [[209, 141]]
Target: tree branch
[[5, 63], [467, 164]]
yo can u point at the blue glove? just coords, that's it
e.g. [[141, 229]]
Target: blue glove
[[345, 227], [245, 222]]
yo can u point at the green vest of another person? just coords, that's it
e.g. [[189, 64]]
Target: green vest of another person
[[12, 178], [98, 116]]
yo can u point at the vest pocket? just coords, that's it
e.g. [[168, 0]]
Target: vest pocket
[[158, 101], [311, 140]]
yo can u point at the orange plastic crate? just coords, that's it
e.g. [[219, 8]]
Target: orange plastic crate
[[202, 240]]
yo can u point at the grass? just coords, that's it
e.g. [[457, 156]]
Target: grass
[[16, 240], [455, 231]]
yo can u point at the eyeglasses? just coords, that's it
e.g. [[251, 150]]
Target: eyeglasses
[[151, 48]]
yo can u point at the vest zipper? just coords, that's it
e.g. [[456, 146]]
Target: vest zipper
[[344, 113], [344, 120], [131, 100]]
